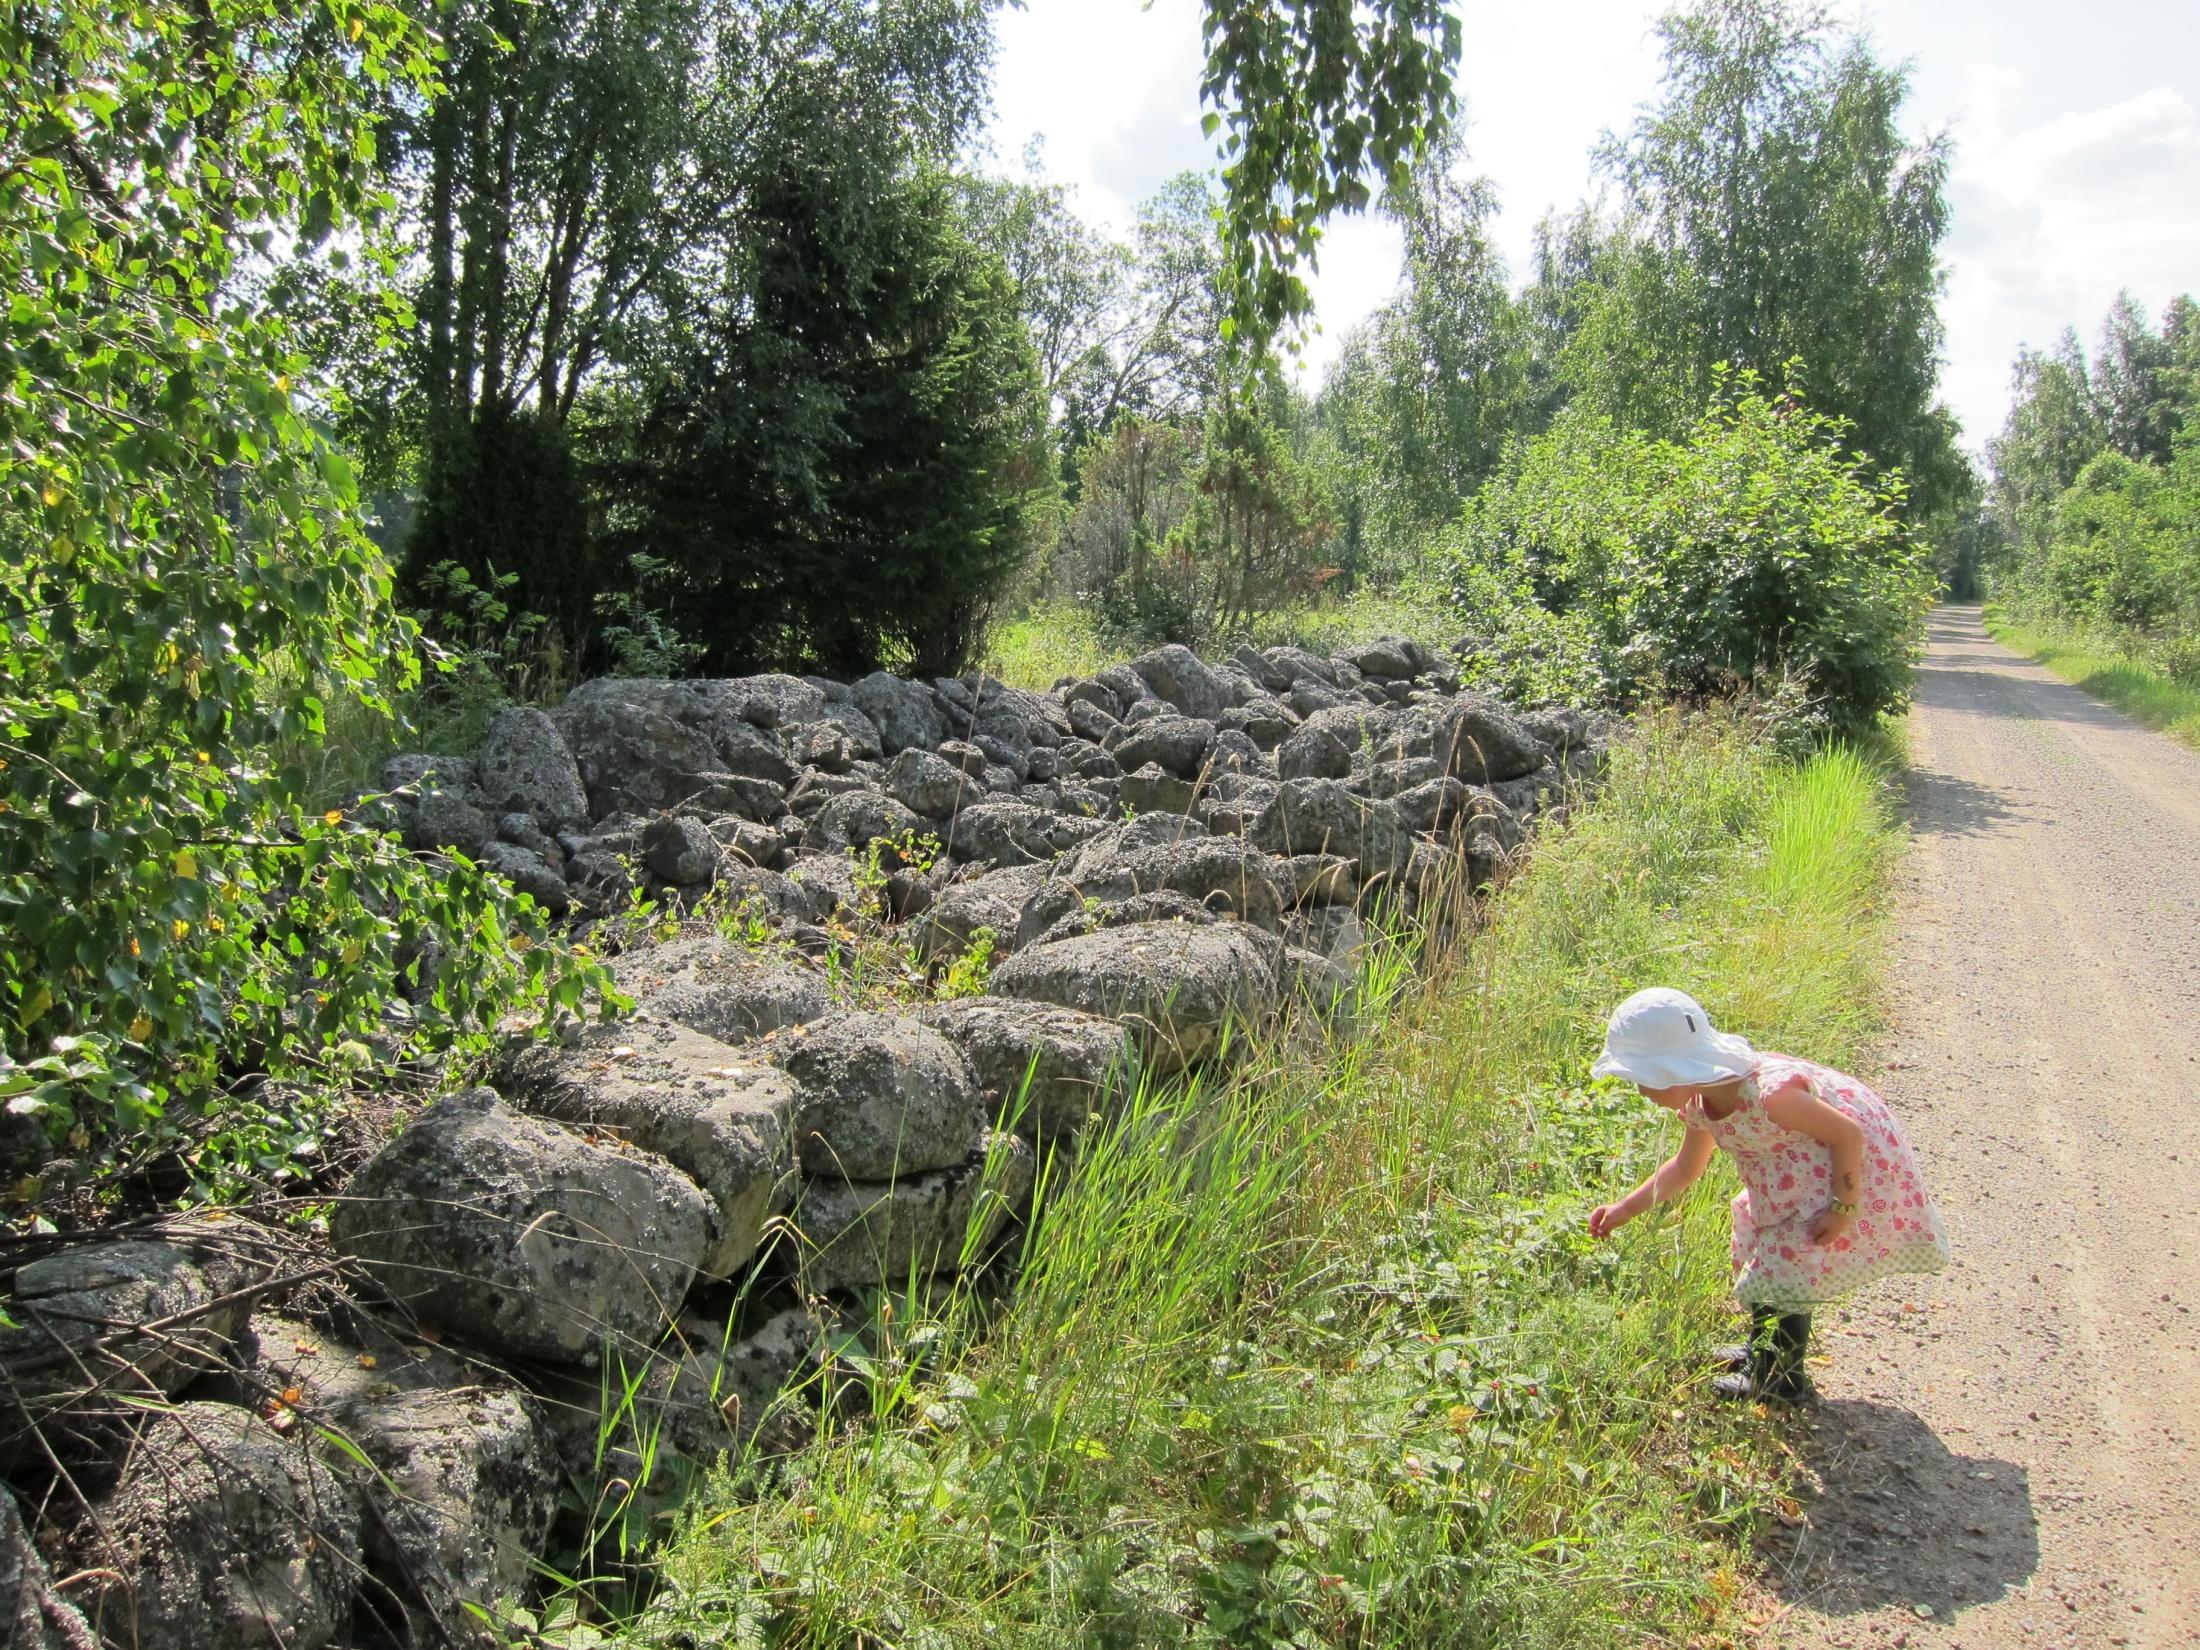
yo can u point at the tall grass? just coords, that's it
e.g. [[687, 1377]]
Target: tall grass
[[2123, 679], [1322, 1355]]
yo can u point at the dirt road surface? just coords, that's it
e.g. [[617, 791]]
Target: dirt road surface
[[2009, 1453]]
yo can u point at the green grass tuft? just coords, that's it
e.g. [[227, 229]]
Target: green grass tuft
[[1323, 1355], [2126, 682]]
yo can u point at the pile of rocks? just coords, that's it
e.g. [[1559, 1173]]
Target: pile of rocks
[[1158, 853]]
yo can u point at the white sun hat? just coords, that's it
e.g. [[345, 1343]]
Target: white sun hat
[[1661, 1037]]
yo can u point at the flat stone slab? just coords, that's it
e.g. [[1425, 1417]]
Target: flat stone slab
[[724, 1119], [1180, 984]]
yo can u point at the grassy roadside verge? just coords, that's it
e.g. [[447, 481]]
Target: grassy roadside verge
[[1326, 1357], [2124, 681]]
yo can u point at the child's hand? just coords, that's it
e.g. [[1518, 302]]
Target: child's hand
[[1605, 1219], [1826, 1226]]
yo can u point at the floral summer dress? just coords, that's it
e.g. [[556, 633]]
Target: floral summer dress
[[1789, 1178]]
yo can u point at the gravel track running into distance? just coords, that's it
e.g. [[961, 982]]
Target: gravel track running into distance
[[2005, 1455]]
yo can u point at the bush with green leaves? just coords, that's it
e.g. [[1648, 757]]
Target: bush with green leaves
[[186, 587], [1754, 552]]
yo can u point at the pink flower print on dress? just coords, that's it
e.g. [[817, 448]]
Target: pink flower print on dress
[[1786, 1177]]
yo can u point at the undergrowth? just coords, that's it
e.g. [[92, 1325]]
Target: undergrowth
[[2107, 671], [1323, 1355]]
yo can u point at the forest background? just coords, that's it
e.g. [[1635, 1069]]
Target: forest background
[[371, 367]]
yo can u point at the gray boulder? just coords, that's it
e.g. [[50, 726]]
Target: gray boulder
[[1178, 985], [1387, 658], [1051, 1070], [721, 989], [1180, 744], [464, 1478], [448, 819], [1218, 873], [1088, 720], [724, 1120], [858, 1233], [524, 1236], [32, 1615], [530, 874], [225, 1532], [1177, 676], [1152, 789], [1479, 741], [1321, 816], [931, 786], [680, 850], [642, 745], [906, 713], [523, 764], [1314, 751], [81, 1335], [1295, 665], [878, 1097], [1007, 833], [861, 818], [993, 901]]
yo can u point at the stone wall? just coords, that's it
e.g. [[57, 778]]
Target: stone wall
[[1155, 853]]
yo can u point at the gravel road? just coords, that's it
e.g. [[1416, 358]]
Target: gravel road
[[2006, 1453]]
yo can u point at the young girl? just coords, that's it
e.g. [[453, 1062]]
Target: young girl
[[1832, 1197]]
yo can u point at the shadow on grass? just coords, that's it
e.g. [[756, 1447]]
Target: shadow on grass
[[1897, 1518]]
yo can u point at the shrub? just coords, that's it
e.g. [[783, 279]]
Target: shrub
[[1754, 551], [186, 586]]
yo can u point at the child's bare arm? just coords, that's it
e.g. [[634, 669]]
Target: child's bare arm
[[1798, 1109], [1671, 1178]]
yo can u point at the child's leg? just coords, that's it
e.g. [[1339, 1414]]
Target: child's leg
[[1783, 1373]]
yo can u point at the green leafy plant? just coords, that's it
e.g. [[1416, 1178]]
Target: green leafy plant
[[171, 912]]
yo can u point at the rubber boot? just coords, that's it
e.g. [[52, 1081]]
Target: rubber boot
[[1778, 1343], [1739, 1384], [1784, 1378]]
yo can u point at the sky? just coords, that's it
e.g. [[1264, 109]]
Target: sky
[[2076, 133]]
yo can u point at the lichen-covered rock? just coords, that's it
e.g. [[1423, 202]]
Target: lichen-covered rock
[[906, 714], [680, 850], [861, 818], [1179, 985], [524, 765], [522, 1235], [1219, 873], [442, 818], [1007, 833], [76, 1339], [958, 911], [1179, 677], [1180, 744], [866, 1233], [32, 1615], [931, 785], [641, 744], [1041, 1070], [1321, 816], [1314, 751], [723, 1119], [463, 1478], [227, 1533], [529, 874], [878, 1096], [720, 989], [1387, 658], [1479, 741]]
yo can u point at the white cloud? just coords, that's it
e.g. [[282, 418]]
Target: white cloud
[[2055, 215], [2076, 173]]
